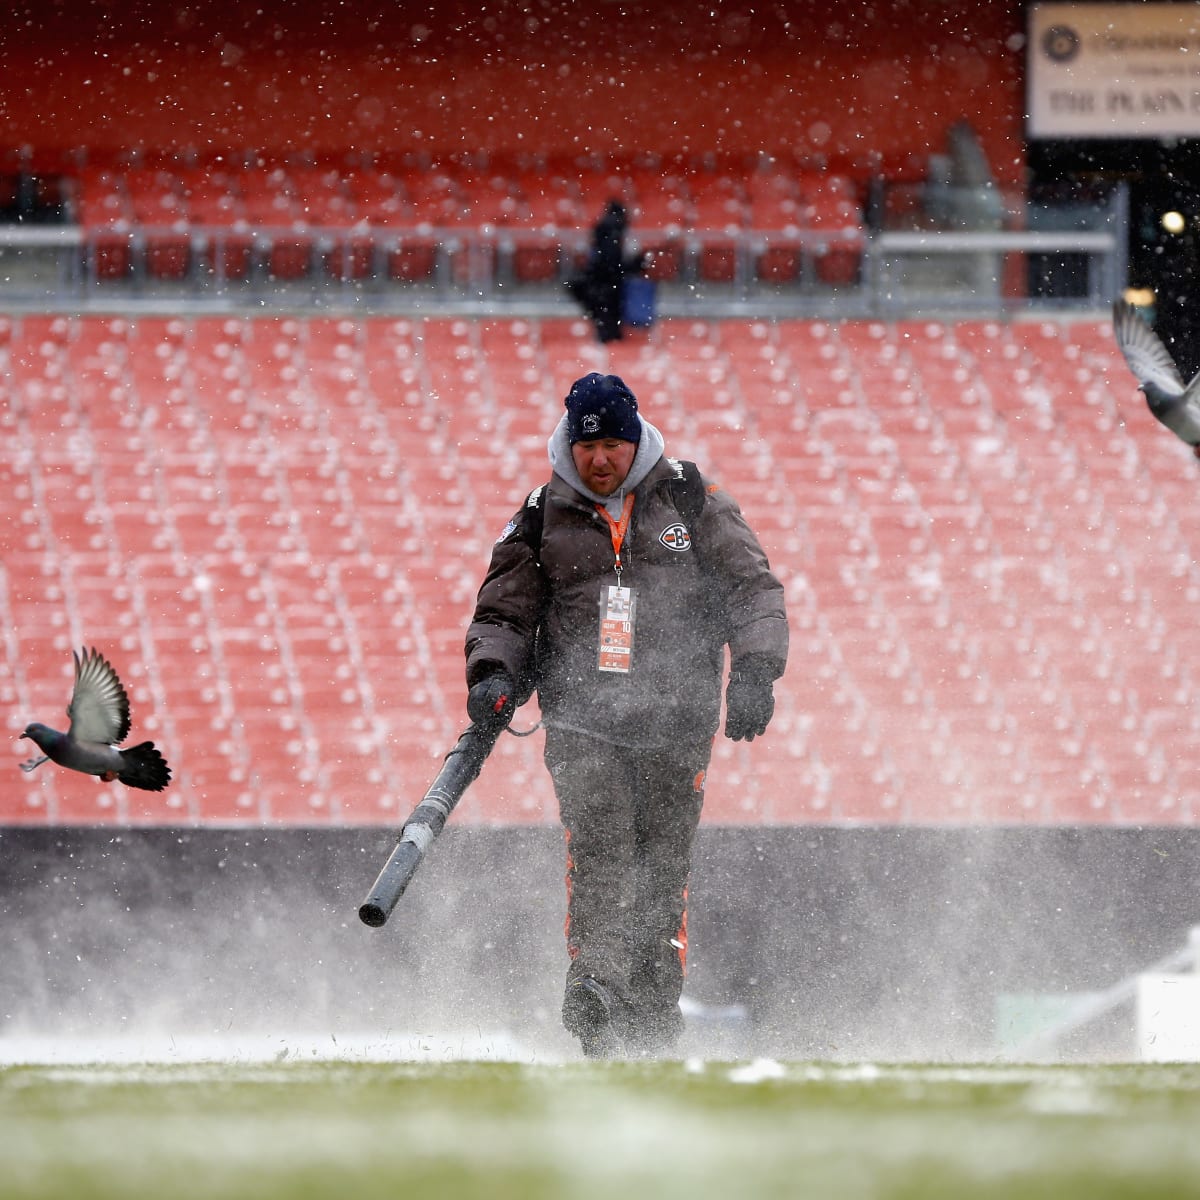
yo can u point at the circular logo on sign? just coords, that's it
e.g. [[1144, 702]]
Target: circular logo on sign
[[1061, 43], [676, 537]]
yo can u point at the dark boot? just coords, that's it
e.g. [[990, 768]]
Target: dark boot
[[653, 1033], [654, 1019], [587, 1012]]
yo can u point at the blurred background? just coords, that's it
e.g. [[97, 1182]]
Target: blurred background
[[283, 329]]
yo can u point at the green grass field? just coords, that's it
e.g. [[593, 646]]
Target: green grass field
[[358, 1130]]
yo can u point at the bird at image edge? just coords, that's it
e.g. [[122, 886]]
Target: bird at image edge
[[1174, 404]]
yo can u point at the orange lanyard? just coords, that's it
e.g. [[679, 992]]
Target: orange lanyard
[[618, 529]]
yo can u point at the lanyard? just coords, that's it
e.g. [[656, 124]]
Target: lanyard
[[618, 529]]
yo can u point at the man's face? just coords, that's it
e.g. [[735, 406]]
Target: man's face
[[603, 464]]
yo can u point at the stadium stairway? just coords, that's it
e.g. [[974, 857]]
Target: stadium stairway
[[275, 528]]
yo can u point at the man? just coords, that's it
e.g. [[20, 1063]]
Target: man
[[600, 287], [615, 590]]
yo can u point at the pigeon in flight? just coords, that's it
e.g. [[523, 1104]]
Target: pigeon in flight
[[1172, 402], [99, 712]]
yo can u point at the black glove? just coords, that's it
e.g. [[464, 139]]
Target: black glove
[[749, 706], [492, 701]]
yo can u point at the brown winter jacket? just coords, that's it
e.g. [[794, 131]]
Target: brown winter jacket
[[540, 623]]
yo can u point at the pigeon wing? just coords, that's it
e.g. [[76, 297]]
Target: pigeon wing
[[1148, 359], [99, 708]]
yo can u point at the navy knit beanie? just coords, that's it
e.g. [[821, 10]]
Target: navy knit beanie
[[602, 406]]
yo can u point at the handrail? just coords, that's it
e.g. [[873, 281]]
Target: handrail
[[887, 241], [48, 236], [1000, 241]]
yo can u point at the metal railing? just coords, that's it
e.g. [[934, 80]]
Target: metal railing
[[849, 272]]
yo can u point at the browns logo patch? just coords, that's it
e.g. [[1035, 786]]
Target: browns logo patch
[[676, 537]]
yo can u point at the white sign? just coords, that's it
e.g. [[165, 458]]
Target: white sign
[[1113, 71]]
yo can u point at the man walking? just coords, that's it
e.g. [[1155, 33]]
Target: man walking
[[614, 591]]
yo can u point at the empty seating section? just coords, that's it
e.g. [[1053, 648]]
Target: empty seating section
[[419, 224], [275, 528]]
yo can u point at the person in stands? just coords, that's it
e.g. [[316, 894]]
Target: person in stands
[[616, 591], [600, 286]]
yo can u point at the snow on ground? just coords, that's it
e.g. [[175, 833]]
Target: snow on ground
[[477, 1045]]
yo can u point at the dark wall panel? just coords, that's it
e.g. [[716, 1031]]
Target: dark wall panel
[[837, 943]]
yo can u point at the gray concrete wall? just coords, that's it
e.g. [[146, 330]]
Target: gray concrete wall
[[836, 943]]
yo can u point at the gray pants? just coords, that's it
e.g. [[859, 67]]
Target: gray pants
[[630, 818]]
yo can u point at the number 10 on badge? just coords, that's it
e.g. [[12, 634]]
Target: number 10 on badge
[[616, 628]]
